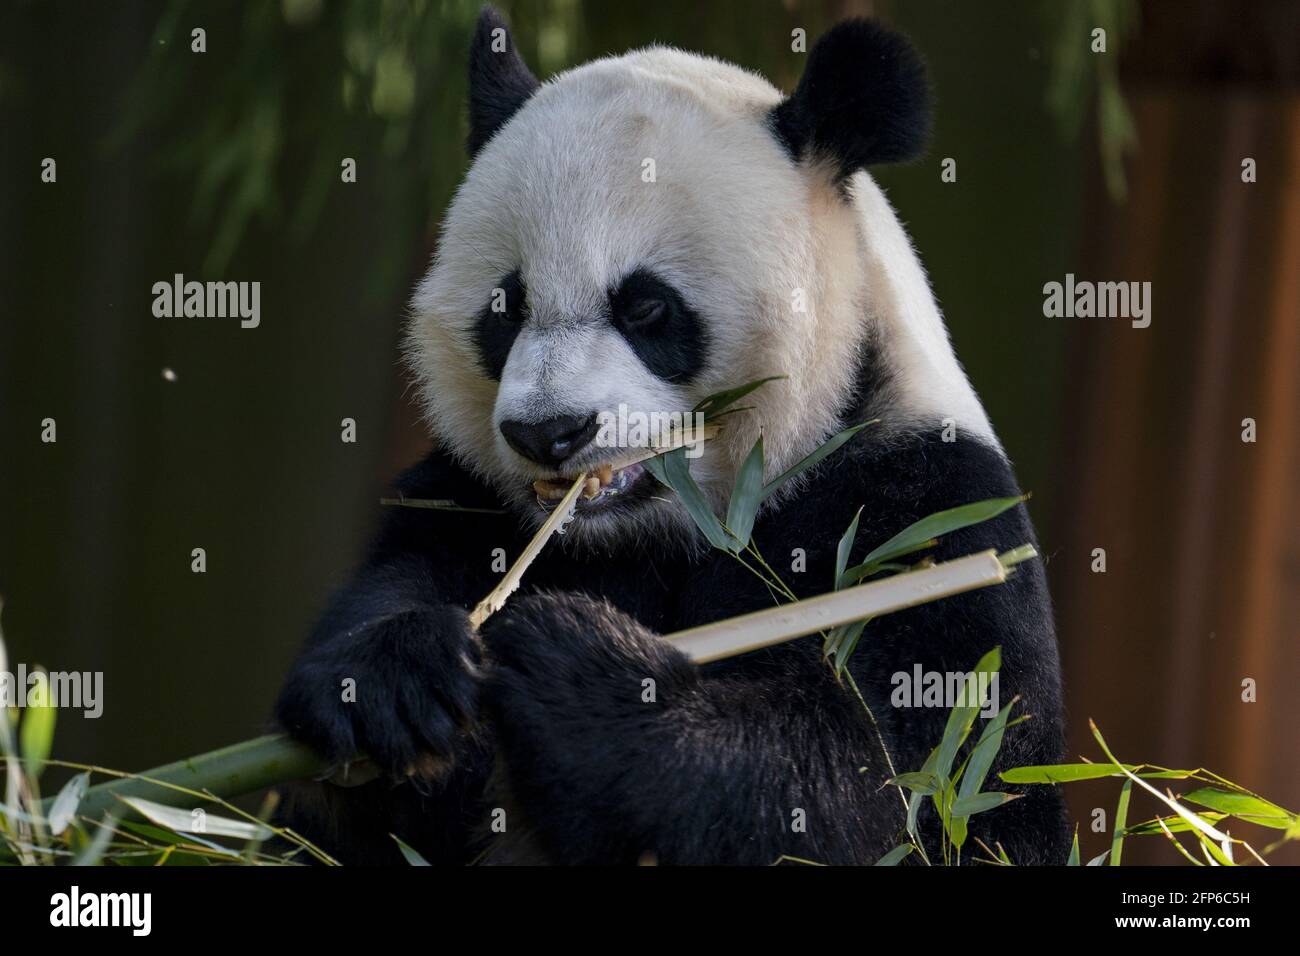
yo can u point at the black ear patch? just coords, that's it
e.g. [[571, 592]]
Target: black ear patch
[[863, 99], [499, 81]]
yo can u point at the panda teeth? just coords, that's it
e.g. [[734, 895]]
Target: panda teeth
[[602, 482], [550, 490]]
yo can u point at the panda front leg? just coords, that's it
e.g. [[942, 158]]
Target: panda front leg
[[617, 749], [392, 673]]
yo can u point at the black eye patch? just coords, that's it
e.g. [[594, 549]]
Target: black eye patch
[[664, 332], [498, 324]]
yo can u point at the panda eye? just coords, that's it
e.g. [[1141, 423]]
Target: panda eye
[[508, 300], [644, 313]]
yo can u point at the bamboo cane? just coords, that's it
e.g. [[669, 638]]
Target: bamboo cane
[[275, 759]]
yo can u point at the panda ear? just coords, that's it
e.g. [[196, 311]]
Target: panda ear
[[499, 81], [863, 99]]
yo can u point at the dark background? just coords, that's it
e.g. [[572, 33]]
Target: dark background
[[225, 165]]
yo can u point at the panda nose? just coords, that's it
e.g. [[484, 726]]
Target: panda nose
[[552, 440]]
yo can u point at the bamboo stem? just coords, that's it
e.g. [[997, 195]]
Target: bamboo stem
[[231, 771], [785, 622], [275, 759]]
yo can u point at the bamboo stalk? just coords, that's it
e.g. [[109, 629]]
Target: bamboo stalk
[[275, 759], [785, 622], [507, 585], [241, 768]]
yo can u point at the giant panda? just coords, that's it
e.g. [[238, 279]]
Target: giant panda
[[531, 739]]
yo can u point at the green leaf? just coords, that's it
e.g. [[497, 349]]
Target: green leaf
[[1243, 806], [64, 809], [1074, 850], [159, 835], [977, 767], [411, 854], [820, 452], [36, 732], [1121, 821], [184, 821], [914, 802], [713, 404], [673, 470], [745, 497], [896, 855], [99, 843], [980, 802], [1221, 846], [1100, 858], [841, 643], [1172, 823], [917, 781], [962, 717], [1062, 772], [920, 534], [843, 551]]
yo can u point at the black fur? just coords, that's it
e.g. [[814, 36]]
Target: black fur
[[499, 82], [863, 99], [495, 332], [669, 339], [712, 771]]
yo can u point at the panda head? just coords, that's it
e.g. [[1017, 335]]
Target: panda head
[[645, 230]]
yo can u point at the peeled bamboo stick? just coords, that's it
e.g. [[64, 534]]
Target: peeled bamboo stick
[[785, 622], [507, 585]]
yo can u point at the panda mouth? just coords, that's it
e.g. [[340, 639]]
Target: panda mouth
[[604, 484]]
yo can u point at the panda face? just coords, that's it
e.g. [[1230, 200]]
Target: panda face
[[636, 234], [627, 243]]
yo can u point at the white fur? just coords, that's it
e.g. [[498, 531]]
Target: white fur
[[730, 222]]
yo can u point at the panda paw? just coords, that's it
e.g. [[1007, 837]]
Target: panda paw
[[402, 691], [575, 683]]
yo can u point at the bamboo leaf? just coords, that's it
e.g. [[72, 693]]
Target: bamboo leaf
[[98, 845], [980, 802], [1203, 829], [843, 551], [962, 716], [713, 404], [819, 453], [896, 855], [183, 821], [922, 533], [1121, 821], [36, 732], [673, 470], [1074, 849], [1064, 772], [1173, 823], [412, 855], [1243, 806], [169, 837], [977, 767], [842, 642], [745, 497], [917, 781], [1100, 858], [986, 750], [64, 809]]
